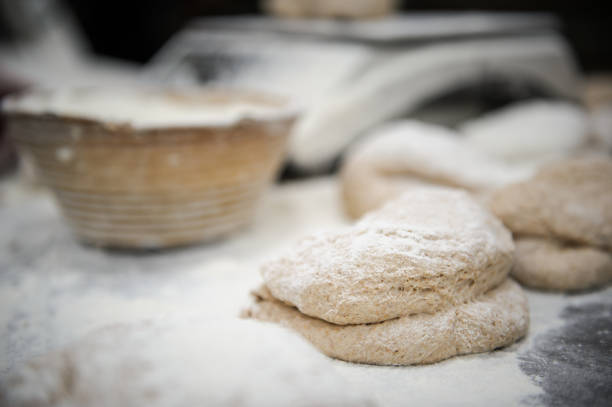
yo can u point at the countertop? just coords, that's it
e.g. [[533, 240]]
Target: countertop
[[53, 290]]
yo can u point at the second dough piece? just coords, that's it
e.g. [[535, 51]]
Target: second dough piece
[[408, 154], [562, 221]]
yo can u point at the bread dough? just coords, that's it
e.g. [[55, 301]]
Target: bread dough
[[563, 217], [533, 131], [430, 249], [422, 279], [330, 8], [495, 319], [570, 200], [408, 153], [188, 363], [548, 264]]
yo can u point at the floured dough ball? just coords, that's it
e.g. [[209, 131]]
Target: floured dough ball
[[568, 200], [498, 318], [352, 9], [533, 131], [551, 265], [563, 221], [430, 249], [406, 154], [420, 280], [194, 363]]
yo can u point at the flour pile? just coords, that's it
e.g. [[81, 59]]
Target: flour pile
[[182, 363]]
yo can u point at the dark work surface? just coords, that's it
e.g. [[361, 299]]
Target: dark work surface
[[573, 364]]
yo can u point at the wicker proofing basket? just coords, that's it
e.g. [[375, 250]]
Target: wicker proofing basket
[[120, 187]]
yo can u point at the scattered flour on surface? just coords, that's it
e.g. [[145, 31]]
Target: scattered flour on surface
[[54, 290], [184, 362]]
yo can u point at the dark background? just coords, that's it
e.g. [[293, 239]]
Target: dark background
[[136, 29]]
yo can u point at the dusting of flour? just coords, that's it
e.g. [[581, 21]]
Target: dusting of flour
[[181, 363], [53, 291]]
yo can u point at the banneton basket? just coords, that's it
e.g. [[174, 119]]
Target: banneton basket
[[155, 169]]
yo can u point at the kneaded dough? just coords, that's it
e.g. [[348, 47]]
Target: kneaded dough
[[549, 264], [495, 319], [569, 200], [430, 249], [198, 362], [409, 153]]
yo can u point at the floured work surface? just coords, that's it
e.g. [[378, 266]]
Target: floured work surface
[[53, 291]]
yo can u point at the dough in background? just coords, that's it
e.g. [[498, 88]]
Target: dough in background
[[533, 132], [562, 218], [570, 200], [551, 265], [407, 154]]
